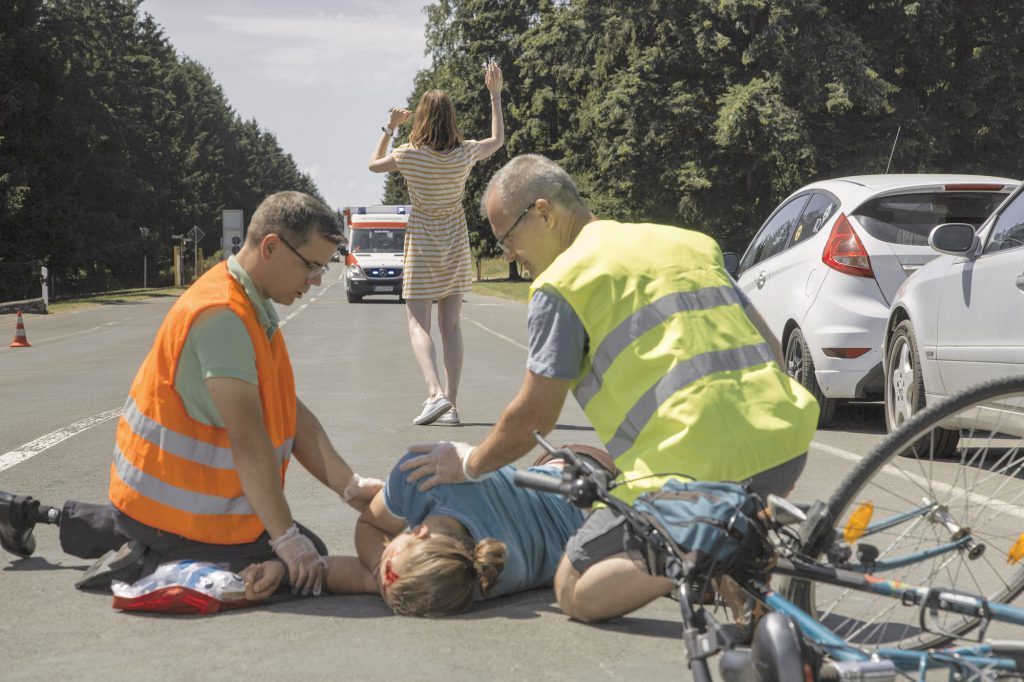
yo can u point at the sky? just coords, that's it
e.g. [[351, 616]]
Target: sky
[[319, 74]]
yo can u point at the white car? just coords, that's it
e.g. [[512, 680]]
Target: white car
[[824, 267], [960, 321]]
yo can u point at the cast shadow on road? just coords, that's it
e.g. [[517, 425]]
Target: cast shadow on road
[[526, 605], [523, 606], [38, 563], [114, 300], [859, 418]]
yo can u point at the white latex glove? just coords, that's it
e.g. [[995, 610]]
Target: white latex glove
[[444, 462], [305, 565], [360, 490]]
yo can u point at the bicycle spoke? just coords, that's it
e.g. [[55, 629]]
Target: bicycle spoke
[[978, 495]]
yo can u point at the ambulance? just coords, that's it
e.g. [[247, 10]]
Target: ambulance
[[375, 251]]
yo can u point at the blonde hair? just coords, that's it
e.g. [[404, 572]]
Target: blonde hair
[[435, 125], [441, 575]]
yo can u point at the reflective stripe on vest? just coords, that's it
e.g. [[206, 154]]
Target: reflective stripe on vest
[[191, 450], [183, 500], [681, 376], [676, 378], [643, 320], [174, 473], [182, 446]]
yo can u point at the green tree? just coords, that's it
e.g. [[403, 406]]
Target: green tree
[[103, 130], [461, 38]]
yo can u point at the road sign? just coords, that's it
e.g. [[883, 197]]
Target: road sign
[[195, 234], [232, 232]]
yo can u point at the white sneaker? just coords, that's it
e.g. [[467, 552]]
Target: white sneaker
[[449, 418], [432, 409]]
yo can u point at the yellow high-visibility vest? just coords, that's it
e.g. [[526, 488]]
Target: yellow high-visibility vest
[[676, 379]]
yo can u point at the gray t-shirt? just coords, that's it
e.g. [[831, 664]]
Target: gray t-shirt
[[556, 335]]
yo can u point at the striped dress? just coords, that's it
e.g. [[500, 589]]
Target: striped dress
[[438, 262]]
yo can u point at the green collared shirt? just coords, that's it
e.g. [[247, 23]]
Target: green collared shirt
[[219, 346]]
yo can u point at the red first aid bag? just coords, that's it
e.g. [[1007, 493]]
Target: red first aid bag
[[183, 587]]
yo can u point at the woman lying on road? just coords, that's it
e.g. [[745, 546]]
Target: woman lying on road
[[434, 553]]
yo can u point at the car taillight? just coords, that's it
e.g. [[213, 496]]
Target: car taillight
[[845, 252], [976, 187]]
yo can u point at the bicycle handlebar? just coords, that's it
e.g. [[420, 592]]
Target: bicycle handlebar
[[582, 484], [541, 482]]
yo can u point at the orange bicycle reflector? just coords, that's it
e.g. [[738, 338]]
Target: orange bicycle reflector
[[858, 522], [1016, 552]]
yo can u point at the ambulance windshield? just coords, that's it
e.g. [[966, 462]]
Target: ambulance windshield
[[378, 240]]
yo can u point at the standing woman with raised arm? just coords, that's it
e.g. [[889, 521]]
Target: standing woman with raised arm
[[438, 265]]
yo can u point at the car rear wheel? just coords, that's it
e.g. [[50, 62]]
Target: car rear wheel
[[904, 392], [800, 366]]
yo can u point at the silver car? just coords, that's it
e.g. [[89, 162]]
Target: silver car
[[959, 321], [824, 267]]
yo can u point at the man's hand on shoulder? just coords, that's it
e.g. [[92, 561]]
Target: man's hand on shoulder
[[442, 462]]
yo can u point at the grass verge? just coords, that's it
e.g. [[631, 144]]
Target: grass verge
[[494, 281], [110, 298], [516, 291]]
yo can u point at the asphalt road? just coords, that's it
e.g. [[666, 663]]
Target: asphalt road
[[355, 370]]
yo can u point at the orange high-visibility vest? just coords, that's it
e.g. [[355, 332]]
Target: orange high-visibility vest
[[177, 474]]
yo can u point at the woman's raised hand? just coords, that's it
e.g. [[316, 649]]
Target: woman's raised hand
[[397, 117], [493, 78]]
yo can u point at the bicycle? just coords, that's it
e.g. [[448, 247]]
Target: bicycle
[[826, 621]]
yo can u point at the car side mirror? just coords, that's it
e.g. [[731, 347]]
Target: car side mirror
[[955, 239], [732, 262]]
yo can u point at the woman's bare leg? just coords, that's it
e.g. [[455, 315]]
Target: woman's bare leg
[[418, 314], [449, 321]]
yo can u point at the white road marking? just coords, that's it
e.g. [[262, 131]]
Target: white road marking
[[500, 336], [926, 484], [43, 443], [64, 336], [302, 307], [30, 450]]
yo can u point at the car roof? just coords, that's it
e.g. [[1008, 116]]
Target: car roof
[[856, 188]]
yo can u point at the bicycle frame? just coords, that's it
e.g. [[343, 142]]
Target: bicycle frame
[[975, 657], [701, 633], [929, 508]]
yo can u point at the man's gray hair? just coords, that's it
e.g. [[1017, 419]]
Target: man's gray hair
[[295, 215], [529, 177]]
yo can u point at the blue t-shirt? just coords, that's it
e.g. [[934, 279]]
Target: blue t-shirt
[[533, 525]]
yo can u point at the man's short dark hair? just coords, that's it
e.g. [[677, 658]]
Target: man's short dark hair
[[296, 216]]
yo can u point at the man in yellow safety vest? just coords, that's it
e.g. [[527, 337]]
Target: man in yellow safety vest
[[671, 365]]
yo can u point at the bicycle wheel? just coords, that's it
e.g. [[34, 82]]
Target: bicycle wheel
[[972, 497]]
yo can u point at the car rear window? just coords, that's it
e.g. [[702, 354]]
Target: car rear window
[[909, 218]]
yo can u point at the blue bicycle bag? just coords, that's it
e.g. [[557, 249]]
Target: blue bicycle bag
[[711, 526]]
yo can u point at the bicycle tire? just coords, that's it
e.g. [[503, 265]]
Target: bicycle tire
[[981, 489]]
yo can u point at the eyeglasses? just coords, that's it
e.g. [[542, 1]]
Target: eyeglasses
[[501, 242], [314, 269]]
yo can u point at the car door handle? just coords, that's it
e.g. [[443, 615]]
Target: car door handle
[[1020, 282], [762, 277]]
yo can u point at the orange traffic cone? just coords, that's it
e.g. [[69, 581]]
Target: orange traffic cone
[[20, 340]]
